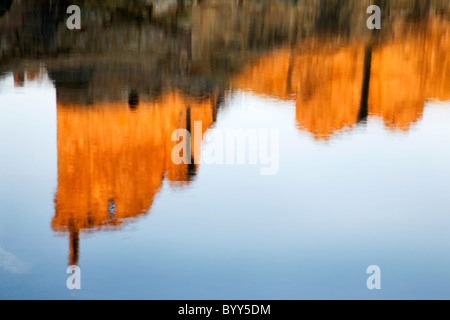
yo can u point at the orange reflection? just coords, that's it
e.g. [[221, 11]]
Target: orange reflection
[[325, 83], [413, 69], [327, 80], [113, 158], [34, 73]]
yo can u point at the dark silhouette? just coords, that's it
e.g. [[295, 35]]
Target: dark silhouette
[[133, 100], [192, 168], [4, 6], [74, 246], [364, 107]]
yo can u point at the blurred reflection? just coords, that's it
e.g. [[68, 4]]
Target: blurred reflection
[[336, 87], [326, 84], [413, 69], [4, 6], [112, 160], [32, 74], [135, 73]]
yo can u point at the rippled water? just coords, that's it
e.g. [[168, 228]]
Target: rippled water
[[87, 176]]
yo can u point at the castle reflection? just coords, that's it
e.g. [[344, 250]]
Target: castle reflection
[[114, 157], [133, 75], [327, 80]]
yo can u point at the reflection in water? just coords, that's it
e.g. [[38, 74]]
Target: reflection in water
[[13, 264], [326, 84], [133, 75], [112, 159], [412, 70], [364, 105], [4, 6], [335, 87]]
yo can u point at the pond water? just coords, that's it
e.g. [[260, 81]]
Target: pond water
[[358, 139]]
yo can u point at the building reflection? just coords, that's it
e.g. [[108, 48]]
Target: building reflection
[[136, 73], [337, 86], [114, 157]]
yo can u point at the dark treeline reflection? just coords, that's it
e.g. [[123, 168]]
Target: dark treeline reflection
[[190, 45], [140, 69]]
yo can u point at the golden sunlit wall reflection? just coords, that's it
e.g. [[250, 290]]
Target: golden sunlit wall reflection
[[114, 157], [326, 79]]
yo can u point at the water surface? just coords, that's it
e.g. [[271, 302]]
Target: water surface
[[87, 178]]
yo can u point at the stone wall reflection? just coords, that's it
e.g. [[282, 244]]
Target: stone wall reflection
[[325, 78], [114, 157]]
